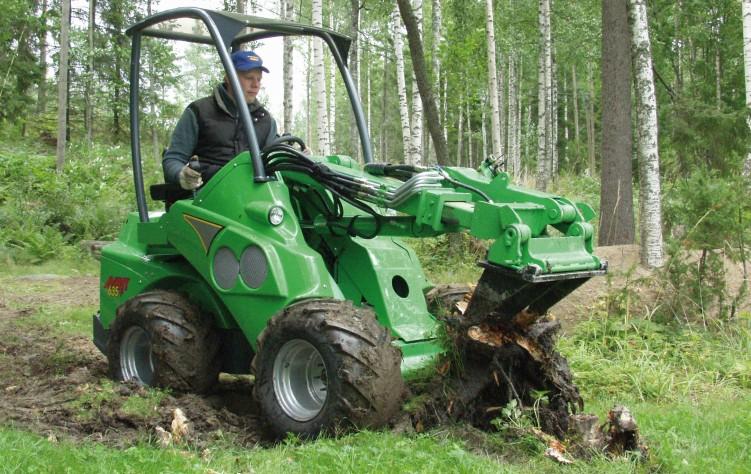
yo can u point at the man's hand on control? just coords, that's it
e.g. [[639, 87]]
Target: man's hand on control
[[189, 178]]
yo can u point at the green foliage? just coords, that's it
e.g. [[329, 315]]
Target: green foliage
[[44, 215], [708, 218]]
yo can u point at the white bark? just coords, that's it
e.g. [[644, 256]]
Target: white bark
[[470, 160], [415, 145], [553, 116], [512, 121], [544, 104], [89, 107], [319, 78], [746, 10], [400, 82], [460, 133], [437, 19], [591, 121], [288, 54], [495, 111], [484, 132], [332, 88], [575, 99], [650, 215], [62, 85]]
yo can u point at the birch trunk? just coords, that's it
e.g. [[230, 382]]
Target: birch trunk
[[575, 100], [401, 83], [332, 88], [545, 102], [241, 7], [308, 94], [415, 147], [650, 216], [495, 112], [718, 75], [484, 132], [62, 86], [470, 160], [89, 100], [42, 86], [288, 64], [319, 71], [460, 133], [354, 69], [511, 122], [746, 11], [437, 19], [553, 115], [590, 118], [384, 156]]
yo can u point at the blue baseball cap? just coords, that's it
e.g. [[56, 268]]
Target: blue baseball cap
[[247, 60]]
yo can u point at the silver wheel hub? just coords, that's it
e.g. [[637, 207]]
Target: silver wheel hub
[[136, 362], [300, 380]]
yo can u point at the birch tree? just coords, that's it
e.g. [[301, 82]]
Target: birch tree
[[354, 68], [401, 86], [437, 23], [423, 83], [746, 10], [495, 112], [544, 101], [575, 102], [42, 86], [650, 203], [89, 99], [62, 85], [319, 79], [288, 64], [415, 144], [332, 88]]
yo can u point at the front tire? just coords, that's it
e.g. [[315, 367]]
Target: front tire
[[324, 365], [160, 339]]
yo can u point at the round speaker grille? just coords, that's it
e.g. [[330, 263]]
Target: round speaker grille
[[226, 268], [253, 266]]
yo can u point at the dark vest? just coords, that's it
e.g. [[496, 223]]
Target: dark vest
[[220, 133]]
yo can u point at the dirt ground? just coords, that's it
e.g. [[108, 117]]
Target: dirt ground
[[55, 383]]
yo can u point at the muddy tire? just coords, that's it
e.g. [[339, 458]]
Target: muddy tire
[[324, 365], [160, 339], [442, 299]]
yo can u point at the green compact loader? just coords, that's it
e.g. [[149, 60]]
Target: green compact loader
[[291, 267]]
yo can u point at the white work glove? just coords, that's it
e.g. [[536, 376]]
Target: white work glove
[[190, 179]]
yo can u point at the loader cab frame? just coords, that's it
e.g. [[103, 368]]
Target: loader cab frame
[[227, 32]]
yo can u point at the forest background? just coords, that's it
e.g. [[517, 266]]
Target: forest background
[[558, 104]]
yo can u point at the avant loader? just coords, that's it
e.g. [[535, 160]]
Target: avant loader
[[291, 267]]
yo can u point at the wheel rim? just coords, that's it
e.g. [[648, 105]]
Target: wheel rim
[[136, 360], [300, 380]]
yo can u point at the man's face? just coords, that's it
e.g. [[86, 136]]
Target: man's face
[[250, 82]]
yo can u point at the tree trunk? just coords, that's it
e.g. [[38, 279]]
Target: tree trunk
[[62, 85], [677, 34], [616, 200], [308, 94], [718, 75], [401, 85], [650, 202], [575, 100], [426, 91], [512, 165], [495, 112], [437, 17], [332, 89], [470, 159], [544, 105], [484, 131], [384, 156], [288, 53], [415, 146], [89, 99], [42, 87], [319, 71], [460, 132], [553, 115], [354, 68], [746, 10], [241, 7], [590, 119]]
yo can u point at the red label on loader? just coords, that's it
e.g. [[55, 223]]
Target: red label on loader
[[116, 286]]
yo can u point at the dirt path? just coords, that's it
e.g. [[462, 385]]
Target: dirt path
[[55, 383]]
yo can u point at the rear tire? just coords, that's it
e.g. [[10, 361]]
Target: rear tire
[[160, 339], [325, 365]]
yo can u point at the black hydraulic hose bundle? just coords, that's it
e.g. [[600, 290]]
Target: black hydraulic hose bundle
[[283, 157]]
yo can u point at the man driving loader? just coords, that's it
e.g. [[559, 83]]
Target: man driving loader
[[209, 128]]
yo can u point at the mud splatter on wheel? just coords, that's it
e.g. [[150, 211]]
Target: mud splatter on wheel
[[160, 339], [323, 365]]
